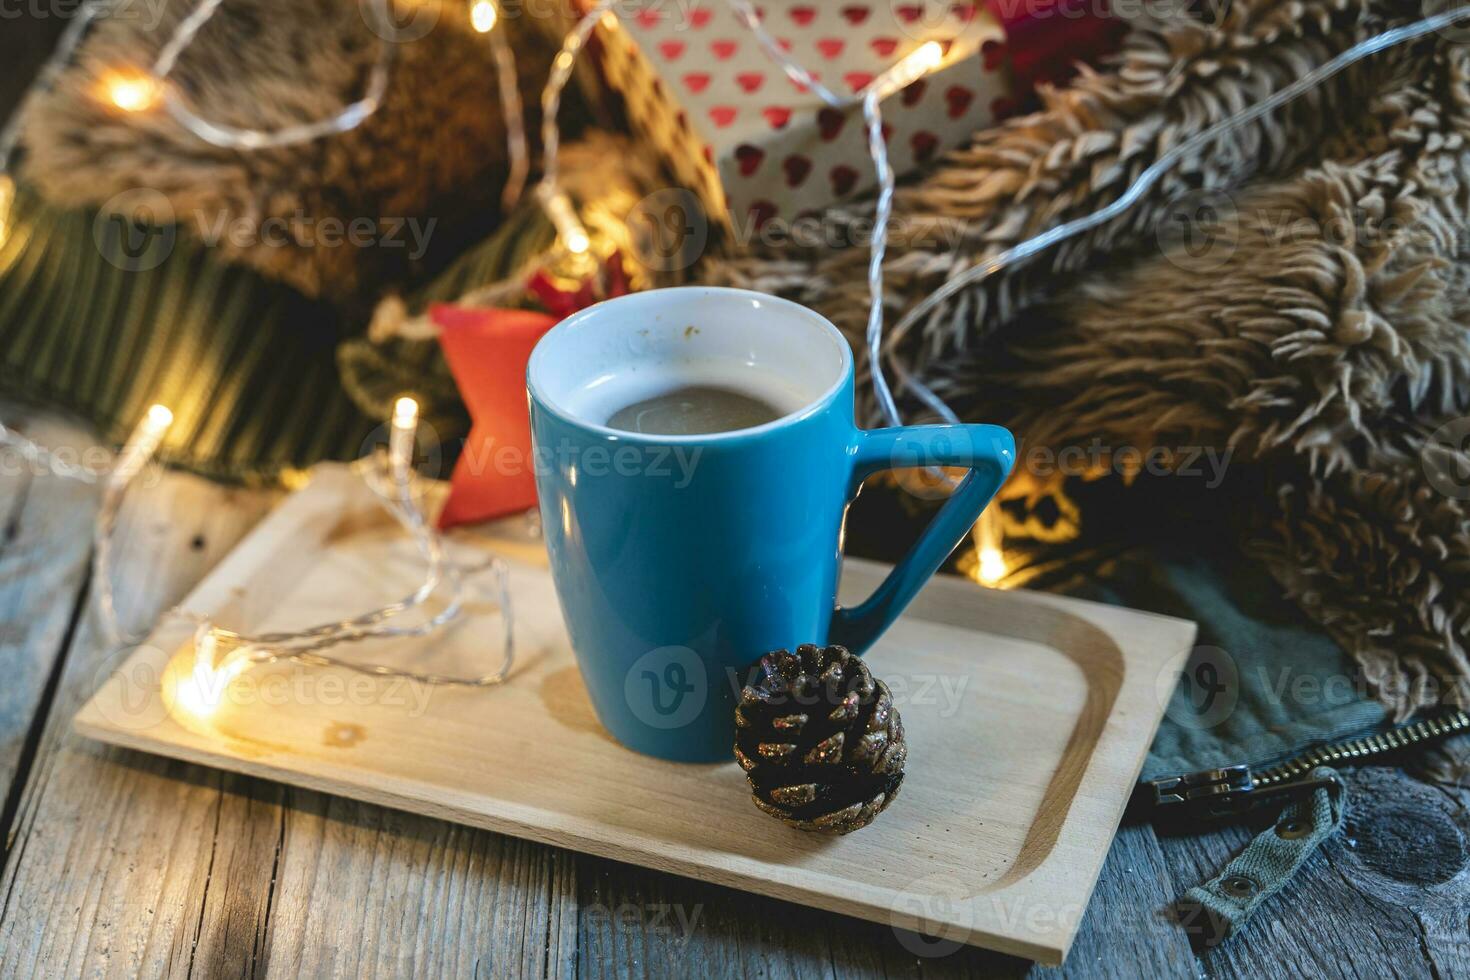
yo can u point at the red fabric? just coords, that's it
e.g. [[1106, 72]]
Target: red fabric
[[487, 352], [1045, 39]]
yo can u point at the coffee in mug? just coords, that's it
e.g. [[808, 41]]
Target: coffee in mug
[[694, 410]]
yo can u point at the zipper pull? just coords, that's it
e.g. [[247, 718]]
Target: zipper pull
[[1225, 792]]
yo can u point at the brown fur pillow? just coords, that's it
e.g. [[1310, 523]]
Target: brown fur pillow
[[417, 177]]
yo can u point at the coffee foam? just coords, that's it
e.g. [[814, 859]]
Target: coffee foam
[[600, 397]]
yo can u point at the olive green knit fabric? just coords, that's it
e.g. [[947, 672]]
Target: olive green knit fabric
[[105, 317]]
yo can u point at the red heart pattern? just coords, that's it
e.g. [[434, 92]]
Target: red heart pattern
[[958, 98], [750, 81], [777, 115], [924, 143], [749, 157], [830, 122], [993, 54], [797, 167], [762, 211], [854, 40], [844, 178]]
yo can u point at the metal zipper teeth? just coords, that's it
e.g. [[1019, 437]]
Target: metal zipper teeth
[[1369, 745]]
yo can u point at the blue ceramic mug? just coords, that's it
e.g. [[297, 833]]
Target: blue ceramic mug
[[680, 559]]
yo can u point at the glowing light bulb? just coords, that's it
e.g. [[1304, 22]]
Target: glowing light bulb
[[563, 217], [909, 69], [577, 241], [992, 566], [401, 437], [142, 443], [131, 93], [198, 688], [405, 413], [7, 200], [483, 16]]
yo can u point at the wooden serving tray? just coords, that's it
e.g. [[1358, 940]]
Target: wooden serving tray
[[1028, 717]]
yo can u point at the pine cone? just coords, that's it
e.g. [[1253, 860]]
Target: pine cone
[[819, 740]]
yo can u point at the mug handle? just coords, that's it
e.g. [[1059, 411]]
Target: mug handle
[[988, 451]]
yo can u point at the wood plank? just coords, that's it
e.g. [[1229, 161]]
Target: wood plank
[[636, 922], [430, 898], [45, 540]]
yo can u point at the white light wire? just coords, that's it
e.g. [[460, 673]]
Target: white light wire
[[508, 80], [347, 118], [561, 72], [302, 646]]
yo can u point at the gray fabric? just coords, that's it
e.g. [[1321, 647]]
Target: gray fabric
[[1218, 909], [1262, 682]]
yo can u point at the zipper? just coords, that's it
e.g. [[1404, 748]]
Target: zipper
[[1231, 790]]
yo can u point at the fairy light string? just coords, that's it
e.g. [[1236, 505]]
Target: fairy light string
[[393, 478], [303, 646]]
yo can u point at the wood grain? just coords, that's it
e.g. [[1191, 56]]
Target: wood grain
[[83, 883], [43, 568]]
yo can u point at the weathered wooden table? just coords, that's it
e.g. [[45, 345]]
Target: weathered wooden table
[[118, 863]]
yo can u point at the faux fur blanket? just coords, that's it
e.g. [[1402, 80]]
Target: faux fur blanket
[[1298, 295]]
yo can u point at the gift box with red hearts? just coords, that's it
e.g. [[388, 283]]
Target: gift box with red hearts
[[755, 145]]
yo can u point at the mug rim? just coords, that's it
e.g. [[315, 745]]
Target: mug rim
[[813, 407]]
